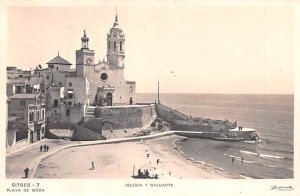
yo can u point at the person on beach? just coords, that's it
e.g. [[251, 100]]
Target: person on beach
[[41, 148], [45, 148], [232, 159], [242, 160], [93, 166], [170, 172], [157, 161], [140, 174], [26, 172], [148, 155]]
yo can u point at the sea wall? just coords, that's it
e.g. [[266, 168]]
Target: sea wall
[[198, 134], [242, 134], [125, 117], [168, 114], [205, 125]]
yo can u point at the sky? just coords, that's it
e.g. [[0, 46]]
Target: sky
[[188, 49]]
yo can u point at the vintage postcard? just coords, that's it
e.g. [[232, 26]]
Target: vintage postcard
[[150, 98]]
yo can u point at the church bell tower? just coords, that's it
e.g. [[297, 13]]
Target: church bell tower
[[116, 45], [84, 56]]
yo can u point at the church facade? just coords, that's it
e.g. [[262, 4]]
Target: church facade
[[107, 84]]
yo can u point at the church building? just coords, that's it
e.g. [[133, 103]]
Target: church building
[[107, 85], [71, 92]]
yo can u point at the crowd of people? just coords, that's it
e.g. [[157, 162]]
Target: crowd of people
[[45, 147]]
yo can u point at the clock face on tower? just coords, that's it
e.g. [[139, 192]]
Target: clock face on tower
[[89, 61]]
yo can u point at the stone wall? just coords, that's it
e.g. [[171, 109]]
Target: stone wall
[[84, 134], [168, 114], [242, 134], [94, 125], [191, 126], [12, 145], [198, 135], [124, 117], [201, 125]]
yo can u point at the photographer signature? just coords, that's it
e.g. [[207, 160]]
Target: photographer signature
[[282, 188]]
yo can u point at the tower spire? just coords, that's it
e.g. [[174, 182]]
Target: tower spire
[[116, 18], [84, 40]]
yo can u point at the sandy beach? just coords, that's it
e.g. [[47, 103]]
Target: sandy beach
[[122, 160]]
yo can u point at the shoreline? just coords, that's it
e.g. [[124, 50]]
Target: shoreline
[[110, 161]]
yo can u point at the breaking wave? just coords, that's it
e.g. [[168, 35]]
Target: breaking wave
[[262, 155], [256, 163]]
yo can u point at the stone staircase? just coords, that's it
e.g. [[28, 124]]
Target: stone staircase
[[90, 113]]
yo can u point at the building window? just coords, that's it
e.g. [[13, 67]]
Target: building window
[[22, 103], [30, 116], [55, 103], [43, 129], [70, 103], [43, 114], [56, 68], [121, 46], [38, 115], [115, 45], [18, 89], [67, 112], [47, 77], [70, 93], [59, 83], [108, 44], [70, 84]]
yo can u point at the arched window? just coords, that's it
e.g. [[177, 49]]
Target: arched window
[[43, 114], [121, 46], [115, 45], [38, 115]]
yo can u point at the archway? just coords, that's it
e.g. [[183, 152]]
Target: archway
[[109, 99]]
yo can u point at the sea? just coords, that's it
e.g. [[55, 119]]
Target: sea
[[271, 115]]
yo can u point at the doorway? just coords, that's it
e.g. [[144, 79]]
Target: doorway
[[31, 136], [38, 134], [109, 99]]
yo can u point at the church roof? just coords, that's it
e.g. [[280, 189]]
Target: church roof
[[59, 60]]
